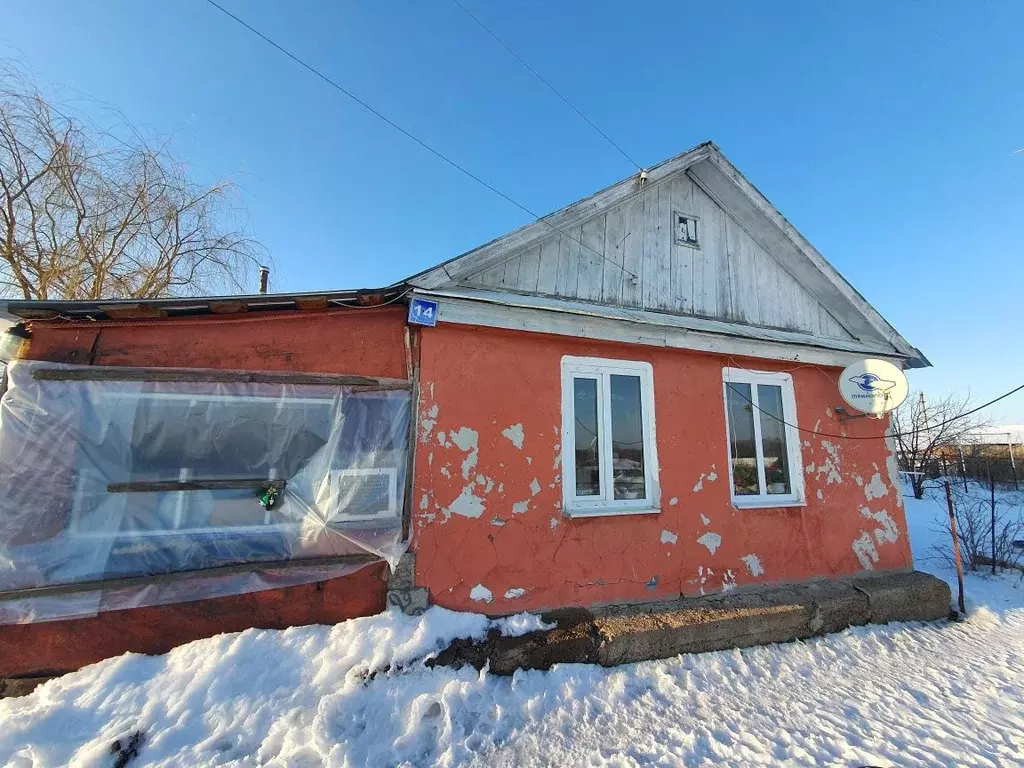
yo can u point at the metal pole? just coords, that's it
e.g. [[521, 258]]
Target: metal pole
[[992, 490], [963, 467], [956, 552], [1013, 464]]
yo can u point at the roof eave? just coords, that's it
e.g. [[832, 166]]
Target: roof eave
[[201, 305]]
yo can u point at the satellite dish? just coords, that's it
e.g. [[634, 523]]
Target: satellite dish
[[874, 387]]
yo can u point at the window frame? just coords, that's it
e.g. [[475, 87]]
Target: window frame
[[676, 216], [601, 369], [797, 496]]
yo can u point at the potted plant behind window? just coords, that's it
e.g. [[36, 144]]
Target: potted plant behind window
[[776, 478]]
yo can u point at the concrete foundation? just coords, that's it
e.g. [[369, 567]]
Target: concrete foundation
[[631, 633], [402, 591]]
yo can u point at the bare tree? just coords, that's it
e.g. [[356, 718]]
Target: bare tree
[[85, 214], [975, 517], [924, 431]]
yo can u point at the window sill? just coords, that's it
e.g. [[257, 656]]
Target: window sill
[[760, 503], [612, 512]]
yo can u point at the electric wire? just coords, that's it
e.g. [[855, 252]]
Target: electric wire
[[550, 87], [466, 172], [925, 430], [412, 137]]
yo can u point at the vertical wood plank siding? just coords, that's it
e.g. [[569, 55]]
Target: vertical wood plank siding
[[729, 277]]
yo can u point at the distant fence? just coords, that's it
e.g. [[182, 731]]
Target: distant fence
[[978, 466]]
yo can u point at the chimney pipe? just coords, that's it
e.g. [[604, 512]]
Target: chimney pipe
[[264, 278]]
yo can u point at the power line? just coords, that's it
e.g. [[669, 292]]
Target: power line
[[931, 428], [552, 88], [437, 153]]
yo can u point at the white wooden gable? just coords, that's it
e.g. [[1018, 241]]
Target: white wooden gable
[[619, 249]]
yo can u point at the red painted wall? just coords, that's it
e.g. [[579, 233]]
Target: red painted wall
[[55, 647], [369, 342], [476, 382]]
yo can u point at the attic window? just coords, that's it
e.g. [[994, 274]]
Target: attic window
[[686, 230]]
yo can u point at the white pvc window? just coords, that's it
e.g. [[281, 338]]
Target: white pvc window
[[765, 469], [609, 457]]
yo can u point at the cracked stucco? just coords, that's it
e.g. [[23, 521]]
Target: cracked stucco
[[490, 518]]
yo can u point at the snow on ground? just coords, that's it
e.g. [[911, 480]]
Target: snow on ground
[[356, 695]]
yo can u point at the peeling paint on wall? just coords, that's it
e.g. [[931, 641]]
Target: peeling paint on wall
[[865, 550], [892, 466], [520, 538], [466, 505], [514, 593], [888, 533], [728, 581], [468, 441], [753, 563], [428, 422], [710, 540], [703, 574], [831, 468], [515, 435], [481, 593], [709, 476], [877, 488]]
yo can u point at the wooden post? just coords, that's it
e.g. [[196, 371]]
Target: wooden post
[[963, 467], [956, 552], [992, 491]]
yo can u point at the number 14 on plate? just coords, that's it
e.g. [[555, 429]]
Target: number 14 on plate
[[423, 312]]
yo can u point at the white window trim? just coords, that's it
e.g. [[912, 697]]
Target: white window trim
[[601, 368], [797, 496]]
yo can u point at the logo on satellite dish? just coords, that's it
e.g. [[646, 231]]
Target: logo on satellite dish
[[871, 382], [873, 387]]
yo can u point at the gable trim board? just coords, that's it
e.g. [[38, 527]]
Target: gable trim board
[[480, 258], [541, 314], [792, 276]]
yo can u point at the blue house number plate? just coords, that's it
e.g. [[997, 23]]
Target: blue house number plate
[[423, 312]]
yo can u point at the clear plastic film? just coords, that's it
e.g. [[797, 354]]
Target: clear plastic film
[[106, 480]]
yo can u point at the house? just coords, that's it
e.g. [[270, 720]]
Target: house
[[631, 399]]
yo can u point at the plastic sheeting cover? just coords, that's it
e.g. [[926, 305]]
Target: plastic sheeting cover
[[77, 456]]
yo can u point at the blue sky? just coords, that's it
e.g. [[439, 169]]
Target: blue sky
[[884, 132]]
